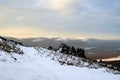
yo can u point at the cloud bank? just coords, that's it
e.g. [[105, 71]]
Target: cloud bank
[[85, 18]]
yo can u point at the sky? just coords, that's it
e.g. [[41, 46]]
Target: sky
[[98, 19]]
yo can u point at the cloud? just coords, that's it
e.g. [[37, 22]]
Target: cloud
[[20, 17], [59, 6], [63, 16], [18, 3], [90, 8], [54, 4]]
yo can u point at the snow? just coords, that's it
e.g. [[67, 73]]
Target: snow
[[38, 40], [25, 72], [0, 40], [88, 48], [34, 65], [62, 39]]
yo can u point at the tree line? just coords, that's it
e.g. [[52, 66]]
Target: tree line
[[69, 50]]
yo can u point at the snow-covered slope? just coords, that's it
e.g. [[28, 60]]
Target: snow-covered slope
[[43, 64]]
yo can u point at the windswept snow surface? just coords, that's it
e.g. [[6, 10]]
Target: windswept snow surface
[[33, 66]]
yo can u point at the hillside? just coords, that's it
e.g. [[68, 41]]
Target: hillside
[[116, 63], [43, 64]]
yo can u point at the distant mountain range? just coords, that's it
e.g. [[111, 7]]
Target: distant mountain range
[[90, 45]]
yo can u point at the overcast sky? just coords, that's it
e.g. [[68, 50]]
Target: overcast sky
[[60, 18]]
